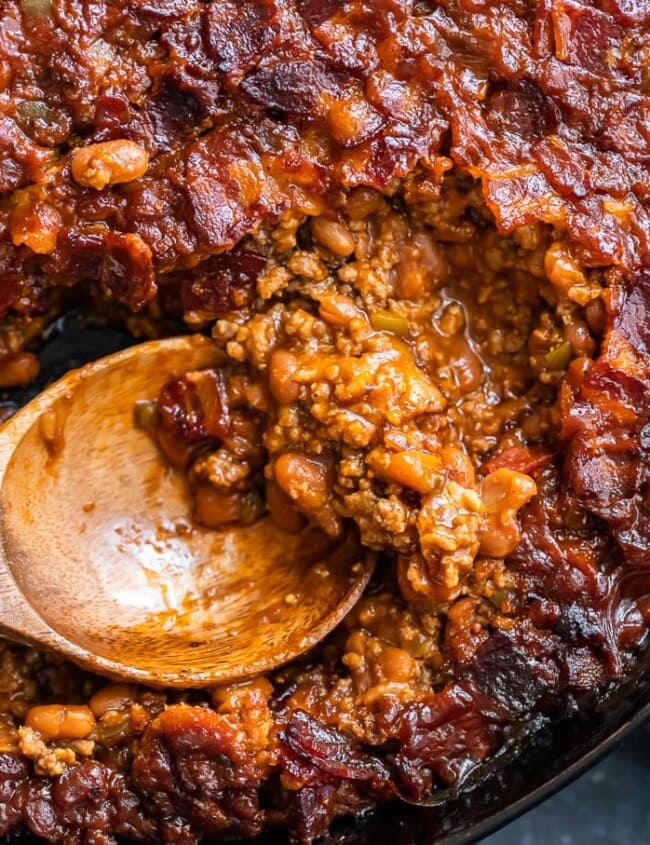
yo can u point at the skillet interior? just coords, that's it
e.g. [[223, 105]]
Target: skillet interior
[[555, 753]]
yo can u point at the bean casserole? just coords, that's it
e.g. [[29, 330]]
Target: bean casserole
[[420, 232]]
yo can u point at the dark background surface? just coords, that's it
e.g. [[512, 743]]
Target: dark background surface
[[609, 805]]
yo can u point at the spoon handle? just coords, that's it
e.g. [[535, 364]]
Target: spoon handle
[[18, 619], [44, 497], [18, 622]]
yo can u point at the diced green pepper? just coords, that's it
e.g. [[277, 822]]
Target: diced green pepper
[[385, 321], [558, 358], [252, 507], [499, 598], [145, 413], [30, 110]]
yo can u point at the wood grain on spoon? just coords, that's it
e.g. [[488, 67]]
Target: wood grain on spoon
[[99, 558]]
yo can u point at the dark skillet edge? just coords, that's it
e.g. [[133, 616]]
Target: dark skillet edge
[[555, 783], [542, 763], [545, 761]]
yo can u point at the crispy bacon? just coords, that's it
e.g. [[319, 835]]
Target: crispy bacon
[[293, 99], [606, 423]]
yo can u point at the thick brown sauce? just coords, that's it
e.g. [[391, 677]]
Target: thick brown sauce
[[298, 179]]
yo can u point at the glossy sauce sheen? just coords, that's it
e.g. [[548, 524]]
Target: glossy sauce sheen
[[351, 197], [546, 102]]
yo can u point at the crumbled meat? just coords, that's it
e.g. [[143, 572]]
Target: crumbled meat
[[419, 231]]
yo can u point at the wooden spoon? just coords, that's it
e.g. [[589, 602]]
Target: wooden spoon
[[99, 558]]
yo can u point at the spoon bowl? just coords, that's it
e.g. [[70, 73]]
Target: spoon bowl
[[100, 560]]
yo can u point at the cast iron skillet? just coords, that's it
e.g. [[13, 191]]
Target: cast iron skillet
[[552, 756]]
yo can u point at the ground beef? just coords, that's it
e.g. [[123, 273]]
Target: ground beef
[[419, 231]]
